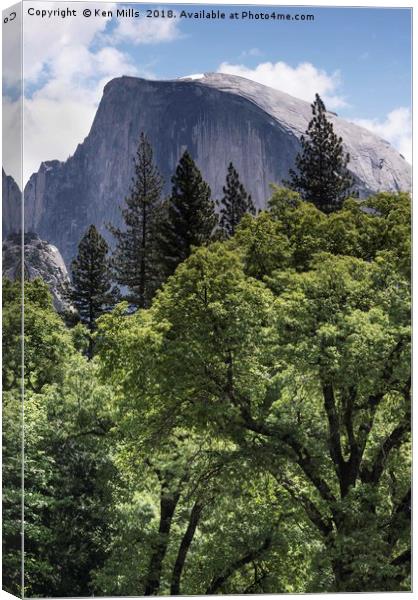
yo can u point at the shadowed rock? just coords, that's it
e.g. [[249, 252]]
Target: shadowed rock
[[40, 260], [11, 205]]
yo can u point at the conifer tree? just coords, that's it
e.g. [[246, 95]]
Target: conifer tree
[[322, 176], [234, 204], [92, 292], [189, 217], [134, 255]]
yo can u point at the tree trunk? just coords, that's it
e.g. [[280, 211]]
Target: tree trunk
[[168, 505], [142, 284], [184, 548]]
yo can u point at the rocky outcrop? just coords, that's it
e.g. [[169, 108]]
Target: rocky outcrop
[[40, 260], [218, 118], [11, 206]]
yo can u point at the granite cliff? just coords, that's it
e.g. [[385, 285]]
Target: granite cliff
[[41, 260], [12, 205], [218, 118]]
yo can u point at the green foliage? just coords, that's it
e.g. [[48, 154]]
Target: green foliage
[[322, 176], [264, 245], [188, 219], [134, 256], [66, 452], [47, 342], [12, 334], [12, 419], [288, 343], [249, 432], [68, 469]]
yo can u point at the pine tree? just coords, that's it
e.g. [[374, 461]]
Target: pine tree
[[189, 217], [92, 292], [322, 176], [234, 204], [134, 255]]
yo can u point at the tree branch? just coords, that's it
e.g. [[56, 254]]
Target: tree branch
[[304, 460], [322, 524], [404, 557], [334, 440], [394, 440], [219, 581]]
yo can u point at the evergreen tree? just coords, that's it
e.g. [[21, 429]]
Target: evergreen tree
[[133, 259], [235, 203], [92, 292], [322, 176], [189, 217]]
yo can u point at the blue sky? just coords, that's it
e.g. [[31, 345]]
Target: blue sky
[[358, 59], [371, 48]]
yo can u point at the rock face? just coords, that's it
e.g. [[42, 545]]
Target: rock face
[[41, 260], [12, 205], [218, 118]]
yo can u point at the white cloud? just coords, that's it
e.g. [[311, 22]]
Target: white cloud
[[396, 128], [303, 81], [68, 123], [45, 42], [68, 77], [146, 31], [66, 65], [59, 115]]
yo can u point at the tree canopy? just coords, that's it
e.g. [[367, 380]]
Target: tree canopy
[[247, 432], [297, 356]]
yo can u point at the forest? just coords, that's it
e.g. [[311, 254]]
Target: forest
[[225, 409]]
